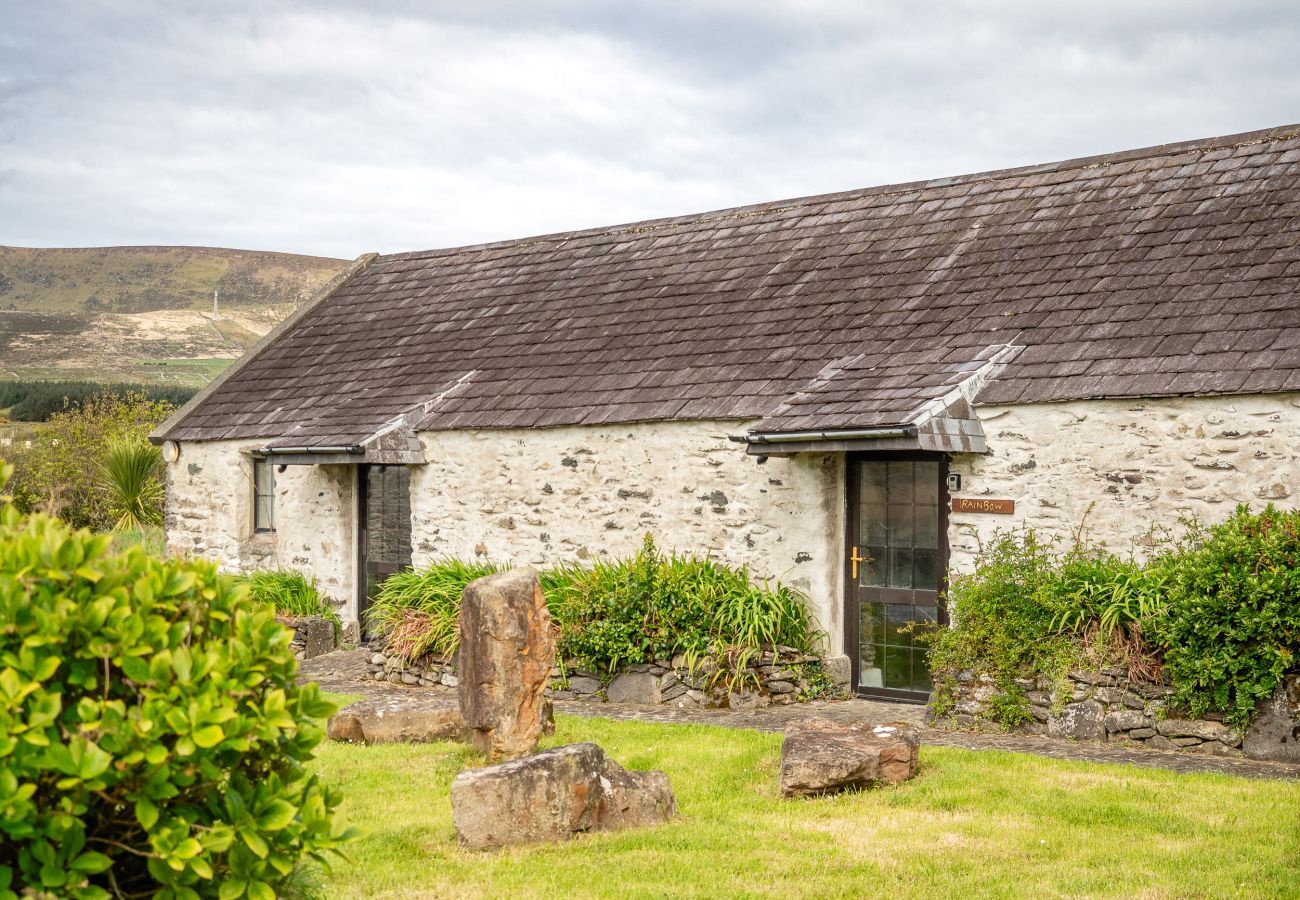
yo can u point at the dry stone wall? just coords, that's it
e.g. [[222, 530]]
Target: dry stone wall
[[1096, 707], [768, 679], [1124, 465]]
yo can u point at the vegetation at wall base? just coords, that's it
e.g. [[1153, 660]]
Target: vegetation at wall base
[[1214, 611], [650, 606], [37, 401], [153, 740], [290, 594]]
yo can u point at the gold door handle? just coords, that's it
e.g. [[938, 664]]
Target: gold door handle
[[855, 559]]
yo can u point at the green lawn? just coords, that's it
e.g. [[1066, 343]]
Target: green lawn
[[972, 824]]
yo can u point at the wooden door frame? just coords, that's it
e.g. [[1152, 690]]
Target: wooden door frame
[[363, 540], [852, 529]]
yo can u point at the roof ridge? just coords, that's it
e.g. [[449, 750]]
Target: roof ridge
[[1241, 139]]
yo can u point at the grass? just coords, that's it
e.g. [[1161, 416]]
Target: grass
[[972, 824]]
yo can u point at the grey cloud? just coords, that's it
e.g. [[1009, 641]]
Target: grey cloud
[[319, 128]]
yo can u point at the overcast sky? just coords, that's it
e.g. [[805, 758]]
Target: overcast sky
[[319, 128]]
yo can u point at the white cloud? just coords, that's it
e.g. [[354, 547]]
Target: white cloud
[[318, 128]]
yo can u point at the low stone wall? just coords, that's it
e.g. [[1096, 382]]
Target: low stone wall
[[771, 678], [1098, 707], [312, 635]]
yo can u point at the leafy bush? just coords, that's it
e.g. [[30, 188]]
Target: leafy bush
[[152, 737], [648, 607], [1003, 613], [1232, 627], [1218, 608], [132, 474], [290, 593], [37, 401], [62, 471], [655, 605]]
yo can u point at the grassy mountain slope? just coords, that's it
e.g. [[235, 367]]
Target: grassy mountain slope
[[143, 313]]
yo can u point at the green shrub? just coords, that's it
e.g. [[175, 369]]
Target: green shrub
[[1003, 613], [62, 472], [1232, 627], [152, 737], [290, 593], [418, 610], [650, 606]]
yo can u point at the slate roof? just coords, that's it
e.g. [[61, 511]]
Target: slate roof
[[1165, 271]]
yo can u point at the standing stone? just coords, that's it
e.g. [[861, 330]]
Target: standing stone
[[1274, 732], [506, 652], [819, 756], [553, 795]]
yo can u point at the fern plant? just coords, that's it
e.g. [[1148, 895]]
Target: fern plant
[[131, 471]]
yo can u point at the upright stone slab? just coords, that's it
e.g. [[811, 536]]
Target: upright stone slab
[[554, 795], [505, 658]]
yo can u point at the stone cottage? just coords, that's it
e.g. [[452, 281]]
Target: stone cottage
[[846, 392]]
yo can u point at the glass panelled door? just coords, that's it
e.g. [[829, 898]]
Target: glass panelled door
[[897, 556], [385, 520]]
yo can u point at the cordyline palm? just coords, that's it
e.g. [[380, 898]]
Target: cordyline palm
[[131, 476]]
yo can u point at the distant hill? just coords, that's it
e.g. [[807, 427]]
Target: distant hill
[[143, 313]]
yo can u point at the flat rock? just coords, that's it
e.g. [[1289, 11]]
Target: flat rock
[[641, 688], [504, 664], [1192, 728], [554, 795], [396, 720], [1083, 721], [1125, 719], [819, 756], [1274, 732]]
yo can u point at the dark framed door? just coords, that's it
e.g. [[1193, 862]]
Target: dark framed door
[[897, 568], [384, 536]]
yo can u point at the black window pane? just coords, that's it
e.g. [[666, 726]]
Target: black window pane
[[871, 624], [870, 661], [925, 569], [900, 482], [900, 525], [871, 571], [897, 619], [900, 567], [926, 484], [921, 670], [898, 667]]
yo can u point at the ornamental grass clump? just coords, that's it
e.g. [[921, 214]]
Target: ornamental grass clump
[[649, 606], [290, 594], [153, 740]]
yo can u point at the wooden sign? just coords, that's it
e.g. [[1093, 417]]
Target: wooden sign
[[983, 505]]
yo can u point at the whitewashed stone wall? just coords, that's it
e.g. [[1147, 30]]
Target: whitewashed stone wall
[[538, 497], [210, 514], [1126, 465]]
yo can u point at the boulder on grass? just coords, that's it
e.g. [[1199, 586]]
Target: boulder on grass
[[554, 795], [819, 756], [397, 720], [505, 658]]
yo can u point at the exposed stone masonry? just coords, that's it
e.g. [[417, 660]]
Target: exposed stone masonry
[[1121, 466], [769, 680], [1102, 707]]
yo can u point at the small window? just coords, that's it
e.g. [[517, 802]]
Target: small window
[[263, 496]]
